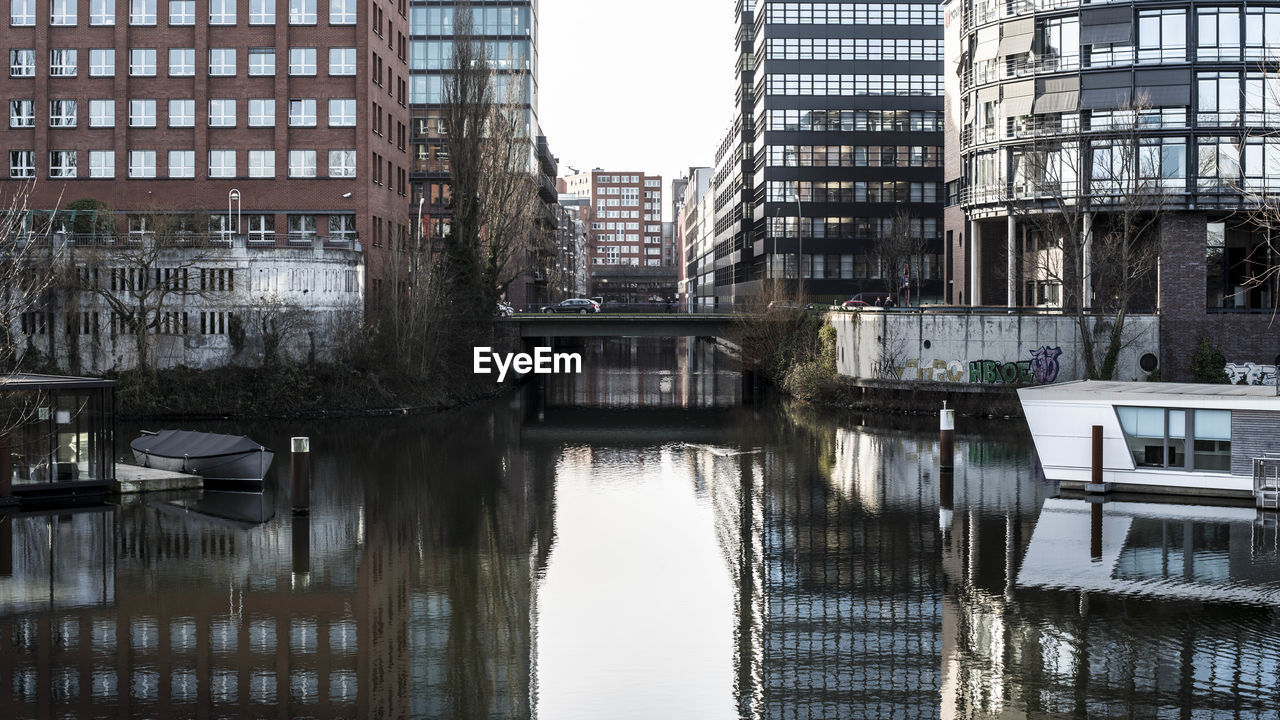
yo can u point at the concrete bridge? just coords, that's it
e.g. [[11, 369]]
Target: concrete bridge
[[551, 325]]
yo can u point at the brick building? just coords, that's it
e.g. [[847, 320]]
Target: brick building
[[155, 108]]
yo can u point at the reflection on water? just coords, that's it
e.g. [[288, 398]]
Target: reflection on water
[[632, 542]]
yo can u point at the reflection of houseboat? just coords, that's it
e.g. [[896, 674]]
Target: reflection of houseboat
[[1219, 554], [59, 433], [1157, 437]]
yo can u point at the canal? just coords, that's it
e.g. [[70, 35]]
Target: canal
[[636, 542]]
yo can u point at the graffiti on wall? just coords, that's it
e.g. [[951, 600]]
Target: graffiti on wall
[[1041, 369], [1251, 374], [932, 370]]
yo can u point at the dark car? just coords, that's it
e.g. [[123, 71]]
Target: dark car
[[870, 299], [573, 305]]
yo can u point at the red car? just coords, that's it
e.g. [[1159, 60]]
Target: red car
[[870, 299]]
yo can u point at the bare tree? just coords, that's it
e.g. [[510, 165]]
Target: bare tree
[[278, 324], [32, 260], [900, 250], [1092, 201], [1259, 187]]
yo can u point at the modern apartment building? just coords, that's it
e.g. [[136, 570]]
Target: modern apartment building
[[280, 124], [695, 236], [836, 145], [508, 32], [1071, 105], [627, 206]]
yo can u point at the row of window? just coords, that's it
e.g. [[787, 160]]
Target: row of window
[[855, 228], [501, 54], [64, 164], [846, 191], [64, 62], [846, 266], [22, 13], [850, 120], [854, 49], [806, 84], [846, 13], [854, 156], [487, 20], [222, 113]]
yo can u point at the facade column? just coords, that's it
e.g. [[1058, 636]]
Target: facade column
[[1011, 240], [975, 264], [1086, 262]]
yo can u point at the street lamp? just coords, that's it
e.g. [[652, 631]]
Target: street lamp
[[800, 246], [233, 198]]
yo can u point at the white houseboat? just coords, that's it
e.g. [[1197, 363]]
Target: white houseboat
[[1157, 437]]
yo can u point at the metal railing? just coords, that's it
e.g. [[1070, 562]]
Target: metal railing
[[187, 240]]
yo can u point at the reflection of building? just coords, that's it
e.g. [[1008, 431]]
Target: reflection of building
[[61, 436]]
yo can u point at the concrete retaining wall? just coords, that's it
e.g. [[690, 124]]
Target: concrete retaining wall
[[983, 348]]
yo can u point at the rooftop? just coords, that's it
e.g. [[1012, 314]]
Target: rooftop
[[1082, 387]]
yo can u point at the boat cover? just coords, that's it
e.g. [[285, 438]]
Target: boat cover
[[193, 444]]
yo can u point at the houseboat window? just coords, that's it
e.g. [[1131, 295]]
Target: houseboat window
[[1160, 437], [1213, 440]]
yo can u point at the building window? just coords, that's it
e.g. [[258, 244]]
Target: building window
[[342, 61], [182, 12], [1218, 34], [62, 63], [222, 113], [302, 12], [102, 62], [142, 12], [222, 62], [1240, 269], [302, 163], [22, 113], [102, 163], [262, 112], [342, 12], [1262, 33], [262, 61], [102, 113], [262, 163], [182, 163], [262, 228], [142, 113], [22, 13], [342, 163], [22, 63], [182, 62], [1162, 35], [342, 112], [142, 62], [262, 12], [302, 61], [22, 163], [302, 112], [222, 12], [302, 228], [62, 12], [222, 163], [1159, 437], [182, 113], [62, 113], [102, 12], [62, 163], [1218, 98], [142, 163], [342, 228]]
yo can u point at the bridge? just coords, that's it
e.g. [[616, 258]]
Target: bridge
[[551, 325]]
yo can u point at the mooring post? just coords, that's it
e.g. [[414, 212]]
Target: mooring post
[[301, 474], [301, 530], [946, 437], [1096, 478], [1095, 530]]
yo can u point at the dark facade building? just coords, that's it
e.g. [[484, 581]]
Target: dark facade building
[[836, 146], [1063, 105], [276, 122], [509, 34]]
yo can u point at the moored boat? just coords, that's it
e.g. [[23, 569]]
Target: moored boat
[[212, 456]]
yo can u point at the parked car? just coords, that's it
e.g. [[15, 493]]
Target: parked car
[[504, 310], [870, 299], [573, 305]]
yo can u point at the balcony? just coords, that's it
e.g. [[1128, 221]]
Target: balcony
[[546, 160]]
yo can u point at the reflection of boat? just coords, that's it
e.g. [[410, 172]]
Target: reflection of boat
[[1158, 550], [1157, 437], [212, 456], [241, 510]]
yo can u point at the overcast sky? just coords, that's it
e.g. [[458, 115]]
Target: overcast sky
[[642, 86]]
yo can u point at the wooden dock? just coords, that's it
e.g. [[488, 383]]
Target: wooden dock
[[135, 479]]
